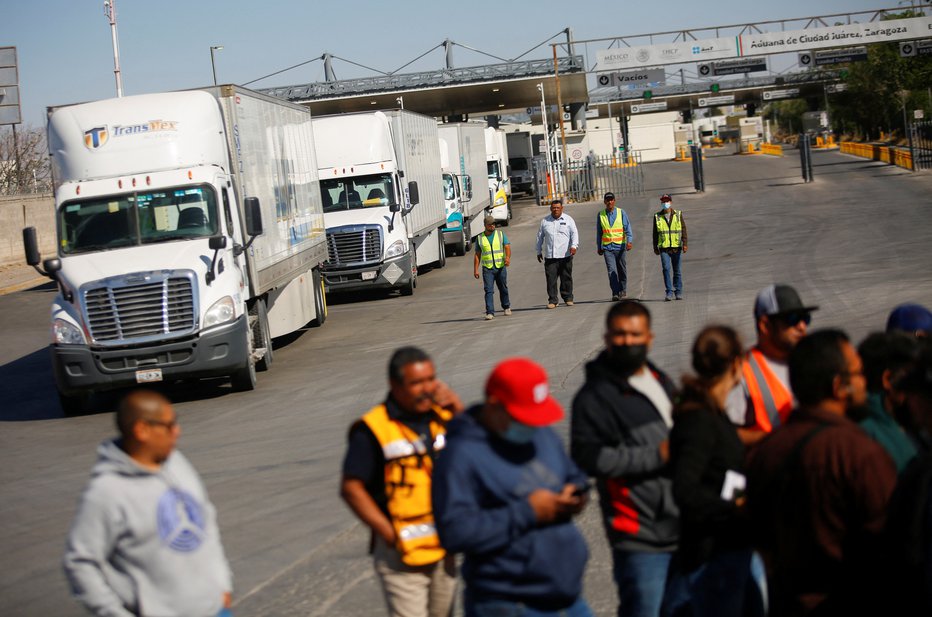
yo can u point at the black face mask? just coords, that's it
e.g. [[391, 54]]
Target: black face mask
[[626, 359]]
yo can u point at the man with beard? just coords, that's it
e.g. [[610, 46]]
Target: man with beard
[[619, 434], [763, 400]]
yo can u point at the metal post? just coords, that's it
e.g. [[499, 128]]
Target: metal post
[[698, 173], [110, 12], [556, 76], [611, 129], [213, 65], [543, 112], [19, 168]]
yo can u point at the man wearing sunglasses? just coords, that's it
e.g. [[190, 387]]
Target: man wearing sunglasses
[[145, 539], [764, 399]]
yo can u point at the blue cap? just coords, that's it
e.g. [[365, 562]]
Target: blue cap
[[910, 318]]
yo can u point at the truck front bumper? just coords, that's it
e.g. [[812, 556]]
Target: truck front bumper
[[219, 352], [391, 273]]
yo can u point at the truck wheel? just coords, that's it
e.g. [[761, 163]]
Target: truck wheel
[[408, 288], [244, 379], [320, 300], [442, 260], [467, 240], [74, 404], [261, 333]]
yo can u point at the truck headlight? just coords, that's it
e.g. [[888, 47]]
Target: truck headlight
[[222, 311], [66, 333], [500, 201], [397, 248]]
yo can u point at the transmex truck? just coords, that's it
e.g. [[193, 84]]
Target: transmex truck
[[496, 151], [462, 158], [190, 234], [383, 198]]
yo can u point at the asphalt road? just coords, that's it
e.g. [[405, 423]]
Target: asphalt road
[[855, 242]]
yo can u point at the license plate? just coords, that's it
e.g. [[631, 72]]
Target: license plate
[[369, 276], [149, 376]]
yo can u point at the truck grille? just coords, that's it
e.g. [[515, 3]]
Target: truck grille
[[121, 312], [354, 246]]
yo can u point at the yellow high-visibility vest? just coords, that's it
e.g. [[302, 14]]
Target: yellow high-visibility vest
[[614, 233], [493, 253], [669, 236], [408, 471]]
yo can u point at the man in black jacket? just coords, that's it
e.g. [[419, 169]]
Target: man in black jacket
[[619, 434]]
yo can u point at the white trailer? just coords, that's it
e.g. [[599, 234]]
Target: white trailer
[[383, 198], [190, 233], [520, 157], [463, 162], [496, 151]]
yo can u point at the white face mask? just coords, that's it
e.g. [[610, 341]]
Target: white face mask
[[666, 205]]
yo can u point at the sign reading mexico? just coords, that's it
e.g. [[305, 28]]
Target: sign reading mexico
[[765, 43]]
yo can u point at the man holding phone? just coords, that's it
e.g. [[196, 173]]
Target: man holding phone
[[505, 493]]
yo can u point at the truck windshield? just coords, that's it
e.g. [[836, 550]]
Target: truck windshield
[[518, 164], [493, 169], [449, 187], [103, 223], [357, 192]]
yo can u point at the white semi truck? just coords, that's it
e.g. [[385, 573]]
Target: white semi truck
[[521, 162], [463, 161], [496, 151], [383, 198], [190, 233]]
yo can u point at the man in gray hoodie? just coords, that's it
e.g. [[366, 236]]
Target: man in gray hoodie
[[145, 539]]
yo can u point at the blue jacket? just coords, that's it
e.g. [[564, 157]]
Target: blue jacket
[[480, 489]]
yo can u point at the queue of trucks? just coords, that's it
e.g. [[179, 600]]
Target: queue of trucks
[[194, 227]]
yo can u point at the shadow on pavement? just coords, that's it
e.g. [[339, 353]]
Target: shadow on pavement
[[28, 389]]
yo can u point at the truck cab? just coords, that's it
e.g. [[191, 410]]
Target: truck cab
[[497, 166]]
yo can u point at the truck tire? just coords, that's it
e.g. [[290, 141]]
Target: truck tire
[[74, 404], [244, 379], [442, 260], [408, 288], [320, 300], [261, 333]]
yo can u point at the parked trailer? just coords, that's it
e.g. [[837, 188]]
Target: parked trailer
[[383, 198], [496, 151], [520, 162], [190, 233], [463, 161]]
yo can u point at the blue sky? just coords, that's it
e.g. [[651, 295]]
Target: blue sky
[[65, 52]]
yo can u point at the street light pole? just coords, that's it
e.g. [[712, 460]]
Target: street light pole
[[110, 12], [213, 65], [543, 113]]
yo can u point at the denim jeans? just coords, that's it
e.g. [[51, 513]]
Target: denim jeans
[[723, 587], [505, 608], [490, 278], [671, 261], [647, 587], [562, 269], [615, 261]]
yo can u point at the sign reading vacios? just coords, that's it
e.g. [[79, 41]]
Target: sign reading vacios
[[766, 43], [633, 78]]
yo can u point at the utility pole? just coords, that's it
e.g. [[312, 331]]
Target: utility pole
[[110, 12], [213, 65], [556, 75], [543, 112]]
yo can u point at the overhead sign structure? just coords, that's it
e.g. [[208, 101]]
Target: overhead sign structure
[[634, 78], [733, 67], [9, 87], [913, 49], [643, 108], [836, 88], [773, 95], [828, 57], [764, 43], [711, 101]]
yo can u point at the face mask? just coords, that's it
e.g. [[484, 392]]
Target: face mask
[[519, 433], [666, 205], [626, 359]]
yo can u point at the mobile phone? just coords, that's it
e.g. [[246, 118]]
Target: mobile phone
[[582, 490]]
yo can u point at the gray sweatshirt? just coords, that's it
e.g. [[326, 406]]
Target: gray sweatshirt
[[146, 542]]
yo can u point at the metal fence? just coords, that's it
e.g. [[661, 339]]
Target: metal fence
[[588, 179], [920, 139]]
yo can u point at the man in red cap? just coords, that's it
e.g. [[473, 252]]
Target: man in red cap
[[504, 494]]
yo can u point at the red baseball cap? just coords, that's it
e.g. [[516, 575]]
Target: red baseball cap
[[521, 386]]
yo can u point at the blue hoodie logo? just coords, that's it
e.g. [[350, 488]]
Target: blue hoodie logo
[[181, 521]]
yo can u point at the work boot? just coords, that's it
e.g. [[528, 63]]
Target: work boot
[[551, 305], [616, 297], [623, 295], [489, 317], [507, 311], [669, 298], [569, 302], [679, 296]]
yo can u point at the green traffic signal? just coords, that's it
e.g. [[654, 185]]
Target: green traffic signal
[[647, 95], [714, 88]]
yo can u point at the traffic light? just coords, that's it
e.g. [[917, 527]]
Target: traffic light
[[647, 95], [714, 88], [843, 74]]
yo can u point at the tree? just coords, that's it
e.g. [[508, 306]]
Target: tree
[[24, 161]]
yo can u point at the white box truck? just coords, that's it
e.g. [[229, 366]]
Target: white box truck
[[462, 158], [520, 162], [383, 198], [190, 233], [496, 152]]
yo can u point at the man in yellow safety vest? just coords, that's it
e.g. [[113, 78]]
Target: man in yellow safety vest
[[387, 483], [670, 244], [613, 241], [493, 253]]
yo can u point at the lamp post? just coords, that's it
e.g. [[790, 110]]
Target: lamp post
[[110, 13], [543, 113], [213, 66]]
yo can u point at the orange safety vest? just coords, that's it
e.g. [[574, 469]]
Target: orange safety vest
[[408, 471], [770, 399]]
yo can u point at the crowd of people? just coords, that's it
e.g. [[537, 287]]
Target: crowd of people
[[790, 478]]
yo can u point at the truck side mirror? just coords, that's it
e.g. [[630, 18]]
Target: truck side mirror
[[394, 207], [217, 243], [52, 266], [31, 246], [467, 188], [413, 195], [253, 215]]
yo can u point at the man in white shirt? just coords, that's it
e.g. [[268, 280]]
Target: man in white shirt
[[557, 241]]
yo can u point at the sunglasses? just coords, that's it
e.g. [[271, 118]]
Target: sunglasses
[[794, 317]]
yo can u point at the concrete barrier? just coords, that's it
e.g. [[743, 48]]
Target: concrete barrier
[[771, 149], [894, 156], [20, 211]]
